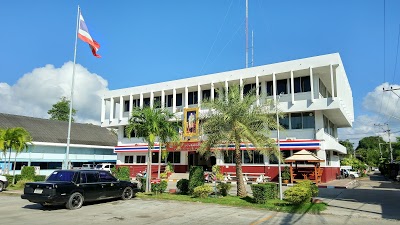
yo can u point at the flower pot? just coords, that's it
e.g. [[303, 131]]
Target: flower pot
[[285, 181], [172, 191]]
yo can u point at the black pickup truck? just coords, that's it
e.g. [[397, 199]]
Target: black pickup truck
[[74, 187]]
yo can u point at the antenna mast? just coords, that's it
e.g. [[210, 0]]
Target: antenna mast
[[247, 33]]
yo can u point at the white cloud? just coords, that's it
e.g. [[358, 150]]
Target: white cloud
[[35, 92], [384, 103]]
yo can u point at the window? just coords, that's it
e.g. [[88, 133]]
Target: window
[[192, 98], [296, 121], [140, 159], [285, 154], [281, 86], [129, 159], [133, 133], [168, 100], [174, 157], [216, 94], [157, 102], [284, 122], [62, 176], [126, 106], [146, 102], [106, 177], [328, 158], [92, 177], [135, 102], [154, 157], [229, 157], [323, 91], [308, 120], [179, 99], [252, 157], [273, 159], [270, 87], [302, 84], [206, 94]]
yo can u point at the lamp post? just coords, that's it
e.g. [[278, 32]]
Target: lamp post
[[279, 148]]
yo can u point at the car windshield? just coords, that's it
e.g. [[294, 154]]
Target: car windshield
[[61, 176], [98, 166]]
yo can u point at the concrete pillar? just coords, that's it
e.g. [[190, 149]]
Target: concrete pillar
[[103, 110], [162, 99], [332, 83], [292, 86], [312, 84], [199, 95], [174, 100], [111, 109], [121, 107], [186, 97]]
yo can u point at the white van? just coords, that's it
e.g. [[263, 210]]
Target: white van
[[105, 166]]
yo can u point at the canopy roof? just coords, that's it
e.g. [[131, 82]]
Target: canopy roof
[[304, 155]]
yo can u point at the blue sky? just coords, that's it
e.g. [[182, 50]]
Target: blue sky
[[144, 42]]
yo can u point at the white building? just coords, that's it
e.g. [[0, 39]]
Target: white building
[[314, 93], [89, 143]]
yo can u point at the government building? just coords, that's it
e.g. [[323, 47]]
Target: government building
[[313, 93]]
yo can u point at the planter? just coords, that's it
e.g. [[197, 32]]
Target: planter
[[172, 191], [285, 181]]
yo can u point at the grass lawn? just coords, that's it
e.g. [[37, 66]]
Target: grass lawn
[[273, 205]]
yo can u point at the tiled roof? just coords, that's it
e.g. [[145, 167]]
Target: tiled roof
[[53, 131]]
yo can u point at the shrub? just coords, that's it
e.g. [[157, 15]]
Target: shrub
[[286, 173], [39, 178], [121, 173], [216, 170], [28, 172], [196, 177], [21, 183], [312, 188], [263, 192], [298, 195], [10, 178], [223, 188], [163, 175], [159, 187], [202, 191], [143, 183], [183, 186]]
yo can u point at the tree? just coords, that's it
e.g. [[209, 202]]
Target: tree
[[233, 119], [16, 139], [60, 110], [150, 123], [368, 150], [349, 147]]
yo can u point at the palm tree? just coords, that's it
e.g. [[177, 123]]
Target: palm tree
[[3, 147], [234, 118], [16, 139], [150, 123]]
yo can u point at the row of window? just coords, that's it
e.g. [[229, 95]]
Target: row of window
[[173, 157], [301, 84], [303, 120]]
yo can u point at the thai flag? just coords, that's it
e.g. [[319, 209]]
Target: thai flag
[[84, 35]]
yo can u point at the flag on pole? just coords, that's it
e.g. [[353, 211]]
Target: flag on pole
[[84, 35]]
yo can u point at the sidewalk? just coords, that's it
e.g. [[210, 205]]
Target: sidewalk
[[341, 184]]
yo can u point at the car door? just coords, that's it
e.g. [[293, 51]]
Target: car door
[[89, 181], [109, 184]]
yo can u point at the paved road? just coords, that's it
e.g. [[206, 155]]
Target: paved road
[[374, 201]]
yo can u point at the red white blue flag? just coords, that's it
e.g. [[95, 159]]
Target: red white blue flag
[[84, 35]]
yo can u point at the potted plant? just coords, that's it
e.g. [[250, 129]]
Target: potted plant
[[169, 169], [286, 175]]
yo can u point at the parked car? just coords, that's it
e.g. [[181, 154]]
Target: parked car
[[3, 183], [74, 187], [88, 166], [105, 166], [350, 173]]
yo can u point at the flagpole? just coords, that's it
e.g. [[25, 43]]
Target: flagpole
[[66, 164]]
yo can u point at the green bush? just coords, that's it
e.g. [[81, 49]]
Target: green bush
[[202, 191], [223, 188], [121, 173], [264, 192], [10, 178], [313, 189], [143, 182], [21, 183], [39, 178], [298, 194], [159, 187], [28, 173], [183, 186], [196, 178]]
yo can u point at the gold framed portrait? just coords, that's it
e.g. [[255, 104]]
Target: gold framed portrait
[[191, 122]]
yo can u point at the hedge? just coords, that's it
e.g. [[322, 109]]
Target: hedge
[[121, 173], [159, 187], [264, 192], [223, 188], [196, 178], [202, 191], [28, 173], [183, 186]]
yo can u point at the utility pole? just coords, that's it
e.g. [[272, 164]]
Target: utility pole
[[247, 33], [390, 143]]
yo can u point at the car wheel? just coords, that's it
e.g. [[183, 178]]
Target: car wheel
[[352, 176], [75, 201], [127, 193], [1, 186]]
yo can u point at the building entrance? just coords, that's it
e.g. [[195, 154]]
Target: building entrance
[[195, 159]]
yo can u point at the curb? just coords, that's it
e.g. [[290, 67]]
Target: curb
[[347, 186]]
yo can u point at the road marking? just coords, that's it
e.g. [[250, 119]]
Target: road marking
[[263, 219]]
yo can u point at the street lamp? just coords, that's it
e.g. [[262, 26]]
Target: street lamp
[[279, 148]]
